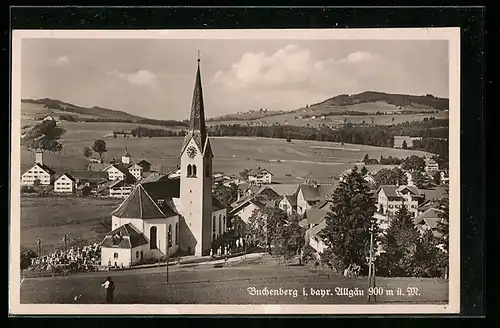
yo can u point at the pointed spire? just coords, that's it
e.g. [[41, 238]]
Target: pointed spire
[[197, 119]]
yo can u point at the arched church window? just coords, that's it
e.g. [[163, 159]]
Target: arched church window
[[169, 235], [152, 238], [177, 233], [220, 224], [194, 170], [213, 224], [189, 171]]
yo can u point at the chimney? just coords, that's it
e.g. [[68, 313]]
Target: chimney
[[39, 157]]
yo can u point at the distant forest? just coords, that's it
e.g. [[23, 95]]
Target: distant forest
[[434, 133]]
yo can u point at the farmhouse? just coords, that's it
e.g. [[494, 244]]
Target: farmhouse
[[399, 140], [115, 189], [90, 179], [260, 176], [390, 198], [65, 184], [179, 214], [119, 172], [38, 173]]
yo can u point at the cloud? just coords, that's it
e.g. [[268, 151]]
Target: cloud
[[141, 77], [293, 67], [60, 61]]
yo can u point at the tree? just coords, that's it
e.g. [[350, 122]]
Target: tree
[[413, 163], [87, 152], [404, 145], [44, 136], [348, 223], [437, 178], [288, 139], [114, 134], [227, 195], [26, 256], [99, 147], [443, 225], [390, 177], [307, 253], [420, 180], [400, 244], [265, 226], [364, 171], [366, 158], [291, 237], [427, 256]]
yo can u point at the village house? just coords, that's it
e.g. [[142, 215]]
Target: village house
[[136, 171], [90, 179], [313, 239], [39, 173], [390, 198], [65, 184], [429, 220], [260, 176], [310, 194], [288, 203], [243, 209], [119, 172], [431, 166]]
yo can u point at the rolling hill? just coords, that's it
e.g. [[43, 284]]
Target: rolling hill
[[366, 103]]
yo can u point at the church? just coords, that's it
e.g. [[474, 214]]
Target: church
[[170, 216]]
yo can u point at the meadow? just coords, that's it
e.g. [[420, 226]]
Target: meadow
[[289, 162], [51, 218]]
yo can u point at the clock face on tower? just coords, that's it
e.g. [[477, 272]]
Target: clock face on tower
[[191, 151]]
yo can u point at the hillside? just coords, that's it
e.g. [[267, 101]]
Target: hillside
[[56, 107], [366, 103]]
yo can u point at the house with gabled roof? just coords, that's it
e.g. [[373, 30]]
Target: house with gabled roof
[[318, 212], [65, 183], [288, 203], [390, 198], [310, 194], [259, 175], [429, 220], [38, 173]]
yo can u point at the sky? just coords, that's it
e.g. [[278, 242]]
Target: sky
[[154, 78]]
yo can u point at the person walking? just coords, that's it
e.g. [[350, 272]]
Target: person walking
[[109, 285]]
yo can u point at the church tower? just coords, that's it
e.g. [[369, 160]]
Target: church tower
[[196, 178]]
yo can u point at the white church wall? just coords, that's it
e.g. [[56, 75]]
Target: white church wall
[[115, 256]]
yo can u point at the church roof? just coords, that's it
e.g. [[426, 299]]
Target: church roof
[[125, 236], [139, 205], [197, 129]]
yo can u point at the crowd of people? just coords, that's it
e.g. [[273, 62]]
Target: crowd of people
[[79, 259]]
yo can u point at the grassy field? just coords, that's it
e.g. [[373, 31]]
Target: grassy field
[[290, 162], [205, 284], [50, 218]]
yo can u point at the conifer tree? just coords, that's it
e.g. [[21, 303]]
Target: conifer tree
[[347, 225]]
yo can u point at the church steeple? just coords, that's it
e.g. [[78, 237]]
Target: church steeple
[[197, 129]]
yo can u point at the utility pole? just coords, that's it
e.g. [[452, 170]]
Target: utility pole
[[168, 258], [371, 266]]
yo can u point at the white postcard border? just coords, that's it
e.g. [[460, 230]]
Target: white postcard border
[[450, 34]]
